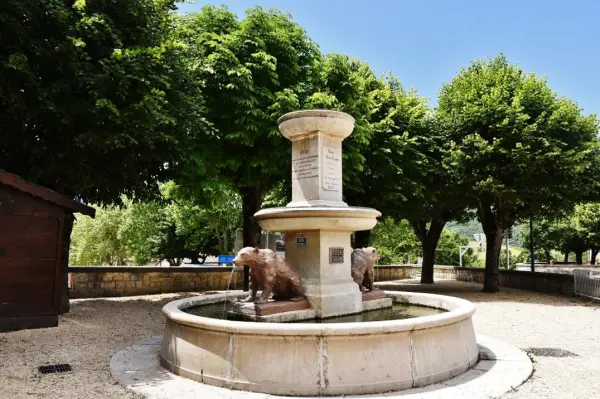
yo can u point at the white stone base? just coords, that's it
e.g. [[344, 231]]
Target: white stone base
[[331, 300], [501, 368], [375, 304]]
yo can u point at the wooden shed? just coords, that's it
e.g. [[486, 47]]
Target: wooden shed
[[32, 252]]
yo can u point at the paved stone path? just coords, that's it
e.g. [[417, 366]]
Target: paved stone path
[[501, 368]]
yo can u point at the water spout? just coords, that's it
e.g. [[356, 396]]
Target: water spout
[[227, 292]]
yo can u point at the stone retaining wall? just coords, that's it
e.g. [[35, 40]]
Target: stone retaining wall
[[551, 283], [103, 281]]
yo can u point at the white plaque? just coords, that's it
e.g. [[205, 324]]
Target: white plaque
[[305, 163], [332, 171]]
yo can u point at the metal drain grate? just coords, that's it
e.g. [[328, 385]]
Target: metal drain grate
[[55, 368], [550, 352]]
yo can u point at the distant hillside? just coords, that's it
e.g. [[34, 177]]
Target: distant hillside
[[467, 229]]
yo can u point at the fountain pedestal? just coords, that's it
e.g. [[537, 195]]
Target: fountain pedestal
[[317, 223]]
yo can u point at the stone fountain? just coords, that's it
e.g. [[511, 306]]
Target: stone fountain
[[317, 223], [320, 359]]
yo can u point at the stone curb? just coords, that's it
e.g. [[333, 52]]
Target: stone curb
[[501, 368]]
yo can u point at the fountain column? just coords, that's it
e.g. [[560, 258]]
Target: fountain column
[[317, 223]]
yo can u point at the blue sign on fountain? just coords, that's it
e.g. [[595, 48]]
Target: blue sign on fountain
[[301, 242]]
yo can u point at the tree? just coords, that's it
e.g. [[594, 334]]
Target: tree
[[588, 218], [139, 226], [252, 71], [447, 252], [97, 241], [434, 197], [548, 235], [215, 211], [397, 243], [96, 99], [516, 147]]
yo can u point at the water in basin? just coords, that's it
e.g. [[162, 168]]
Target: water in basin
[[396, 312]]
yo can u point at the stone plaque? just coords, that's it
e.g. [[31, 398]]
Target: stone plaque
[[305, 162], [336, 255], [332, 170]]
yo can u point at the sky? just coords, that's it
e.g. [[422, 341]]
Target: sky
[[426, 42]]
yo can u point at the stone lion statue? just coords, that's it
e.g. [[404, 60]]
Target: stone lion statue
[[363, 267], [271, 273]]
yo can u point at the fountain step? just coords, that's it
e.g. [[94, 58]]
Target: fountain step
[[271, 307], [372, 295]]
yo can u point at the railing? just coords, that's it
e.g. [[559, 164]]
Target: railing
[[587, 283]]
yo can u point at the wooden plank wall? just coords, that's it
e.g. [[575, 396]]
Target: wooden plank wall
[[30, 231]]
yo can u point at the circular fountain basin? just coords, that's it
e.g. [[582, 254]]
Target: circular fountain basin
[[308, 359], [351, 218]]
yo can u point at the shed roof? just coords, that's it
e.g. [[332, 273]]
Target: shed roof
[[14, 181]]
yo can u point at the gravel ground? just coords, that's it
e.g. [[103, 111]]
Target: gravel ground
[[546, 326]]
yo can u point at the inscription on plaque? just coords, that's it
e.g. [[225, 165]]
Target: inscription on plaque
[[305, 162], [336, 255], [332, 159]]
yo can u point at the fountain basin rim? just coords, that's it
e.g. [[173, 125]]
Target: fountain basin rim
[[322, 218], [457, 310], [315, 113], [317, 211]]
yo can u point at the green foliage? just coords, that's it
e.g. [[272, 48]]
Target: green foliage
[[514, 259], [447, 252], [217, 210], [576, 231], [516, 148], [97, 241], [587, 217], [96, 97], [398, 244], [140, 226], [515, 143], [548, 235], [172, 229], [525, 257], [252, 72]]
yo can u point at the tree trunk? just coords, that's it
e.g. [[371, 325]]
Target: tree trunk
[[429, 240], [566, 257], [428, 263], [251, 201], [361, 239], [548, 258], [579, 258], [220, 240], [226, 241], [194, 260], [64, 281], [492, 227], [594, 254], [493, 239]]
